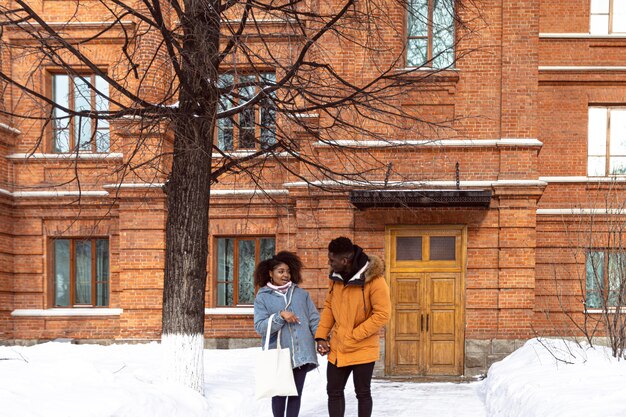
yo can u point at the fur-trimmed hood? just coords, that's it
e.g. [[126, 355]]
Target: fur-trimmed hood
[[375, 268]]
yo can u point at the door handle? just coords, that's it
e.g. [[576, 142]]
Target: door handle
[[421, 323], [426, 322]]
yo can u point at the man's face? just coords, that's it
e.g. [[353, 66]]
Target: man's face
[[338, 263]]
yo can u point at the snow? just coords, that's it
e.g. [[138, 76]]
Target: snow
[[555, 378], [64, 380]]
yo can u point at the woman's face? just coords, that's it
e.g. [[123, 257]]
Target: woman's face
[[280, 275]]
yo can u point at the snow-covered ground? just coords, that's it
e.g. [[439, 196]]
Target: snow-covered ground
[[65, 380], [554, 378]]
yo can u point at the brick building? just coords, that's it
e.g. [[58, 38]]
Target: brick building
[[478, 248]]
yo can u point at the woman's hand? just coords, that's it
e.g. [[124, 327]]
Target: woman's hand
[[323, 347], [289, 317]]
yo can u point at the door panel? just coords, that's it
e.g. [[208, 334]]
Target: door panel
[[441, 324], [442, 289], [407, 356], [407, 324], [406, 296], [426, 277], [442, 354], [442, 333], [408, 292]]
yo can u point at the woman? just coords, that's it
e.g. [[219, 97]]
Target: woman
[[294, 313]]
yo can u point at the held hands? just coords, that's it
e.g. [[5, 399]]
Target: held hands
[[323, 347], [289, 317]]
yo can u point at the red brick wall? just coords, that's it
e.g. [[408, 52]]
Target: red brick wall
[[6, 269], [571, 16], [497, 91]]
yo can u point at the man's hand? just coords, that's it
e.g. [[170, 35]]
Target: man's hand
[[323, 347], [289, 317]]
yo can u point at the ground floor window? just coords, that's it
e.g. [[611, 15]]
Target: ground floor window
[[81, 272], [236, 259], [605, 278]]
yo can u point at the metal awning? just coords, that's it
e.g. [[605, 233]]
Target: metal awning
[[363, 199]]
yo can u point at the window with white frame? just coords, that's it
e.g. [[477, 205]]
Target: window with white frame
[[254, 127], [81, 272], [430, 33], [84, 92], [606, 147], [236, 260], [605, 278], [607, 17]]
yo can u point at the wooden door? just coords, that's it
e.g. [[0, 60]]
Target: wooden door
[[426, 271]]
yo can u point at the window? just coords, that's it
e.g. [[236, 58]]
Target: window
[[605, 270], [607, 16], [81, 272], [73, 133], [430, 33], [426, 248], [236, 259], [606, 150], [253, 127]]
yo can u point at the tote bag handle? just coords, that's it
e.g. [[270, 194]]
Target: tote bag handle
[[266, 346]]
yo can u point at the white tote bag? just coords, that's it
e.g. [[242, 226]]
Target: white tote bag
[[274, 375]]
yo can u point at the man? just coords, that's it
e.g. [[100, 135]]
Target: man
[[357, 306]]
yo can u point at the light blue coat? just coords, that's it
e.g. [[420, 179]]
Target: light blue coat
[[297, 336]]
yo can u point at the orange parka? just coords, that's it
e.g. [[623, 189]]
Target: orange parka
[[353, 315]]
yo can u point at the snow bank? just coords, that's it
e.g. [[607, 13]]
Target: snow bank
[[60, 379], [532, 382]]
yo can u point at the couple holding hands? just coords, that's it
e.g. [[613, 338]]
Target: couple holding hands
[[357, 306]]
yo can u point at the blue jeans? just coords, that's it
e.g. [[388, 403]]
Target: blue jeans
[[292, 402]]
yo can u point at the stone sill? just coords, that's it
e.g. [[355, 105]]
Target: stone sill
[[580, 211], [68, 312], [243, 154], [9, 129], [610, 310], [581, 179], [411, 144], [580, 68], [583, 36], [64, 156], [229, 311]]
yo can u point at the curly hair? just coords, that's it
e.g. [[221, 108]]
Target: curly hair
[[262, 270]]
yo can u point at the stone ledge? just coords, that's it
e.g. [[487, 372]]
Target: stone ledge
[[480, 354]]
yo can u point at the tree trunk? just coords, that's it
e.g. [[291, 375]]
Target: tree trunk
[[187, 190], [185, 264]]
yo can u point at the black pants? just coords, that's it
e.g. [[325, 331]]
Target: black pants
[[292, 402], [336, 382]]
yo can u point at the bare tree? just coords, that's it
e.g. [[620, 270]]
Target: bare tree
[[194, 80], [589, 284]]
